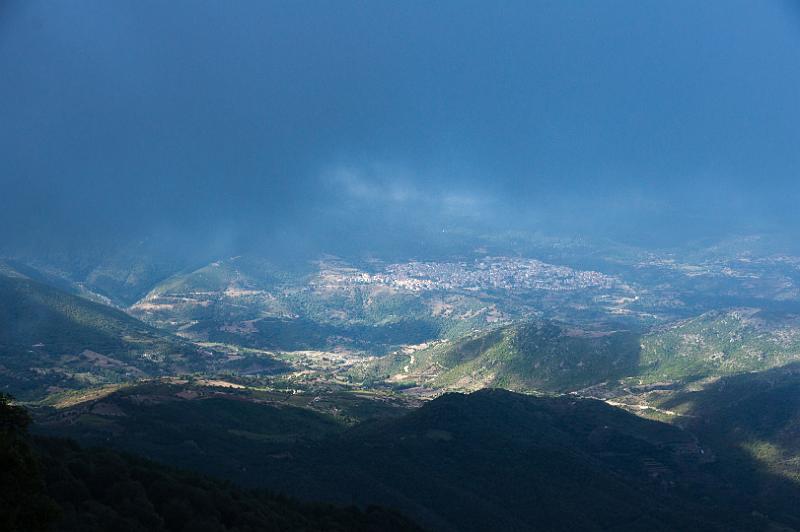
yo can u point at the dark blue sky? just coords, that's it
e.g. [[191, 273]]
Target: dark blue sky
[[311, 120]]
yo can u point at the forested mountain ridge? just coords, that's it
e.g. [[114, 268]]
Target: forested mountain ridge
[[53, 484], [458, 462], [52, 340]]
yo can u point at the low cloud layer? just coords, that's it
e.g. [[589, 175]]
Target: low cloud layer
[[312, 126]]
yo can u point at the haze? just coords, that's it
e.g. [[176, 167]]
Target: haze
[[350, 126]]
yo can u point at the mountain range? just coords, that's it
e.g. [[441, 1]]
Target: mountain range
[[335, 385]]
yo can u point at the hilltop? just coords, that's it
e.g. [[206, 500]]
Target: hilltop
[[538, 355], [543, 355]]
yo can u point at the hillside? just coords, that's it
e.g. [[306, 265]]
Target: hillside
[[53, 484], [226, 290], [721, 343], [51, 340], [537, 355], [489, 460], [547, 356], [752, 420], [218, 429], [249, 302], [495, 459], [371, 305]]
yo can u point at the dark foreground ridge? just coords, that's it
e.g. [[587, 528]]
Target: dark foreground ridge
[[489, 460], [500, 460], [53, 484]]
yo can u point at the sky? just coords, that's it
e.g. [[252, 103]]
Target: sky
[[335, 124]]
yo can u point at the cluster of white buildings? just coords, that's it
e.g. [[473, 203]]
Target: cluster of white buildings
[[496, 273]]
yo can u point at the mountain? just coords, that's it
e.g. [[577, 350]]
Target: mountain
[[485, 461], [250, 302], [226, 290], [499, 460], [210, 426], [548, 356], [721, 342], [371, 305], [52, 340], [753, 421], [538, 355], [53, 484], [120, 274]]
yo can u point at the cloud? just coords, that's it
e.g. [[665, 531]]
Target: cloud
[[374, 183], [383, 187]]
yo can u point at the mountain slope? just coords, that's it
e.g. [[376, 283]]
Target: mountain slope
[[546, 356], [216, 430], [721, 343], [212, 427], [498, 460], [528, 356], [52, 340], [486, 461], [247, 301], [753, 422], [52, 484]]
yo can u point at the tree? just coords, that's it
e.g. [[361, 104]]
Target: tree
[[24, 506]]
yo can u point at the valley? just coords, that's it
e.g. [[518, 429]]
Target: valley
[[375, 266], [643, 378]]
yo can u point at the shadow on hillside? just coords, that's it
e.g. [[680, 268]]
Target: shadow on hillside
[[752, 422], [556, 358], [301, 334]]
